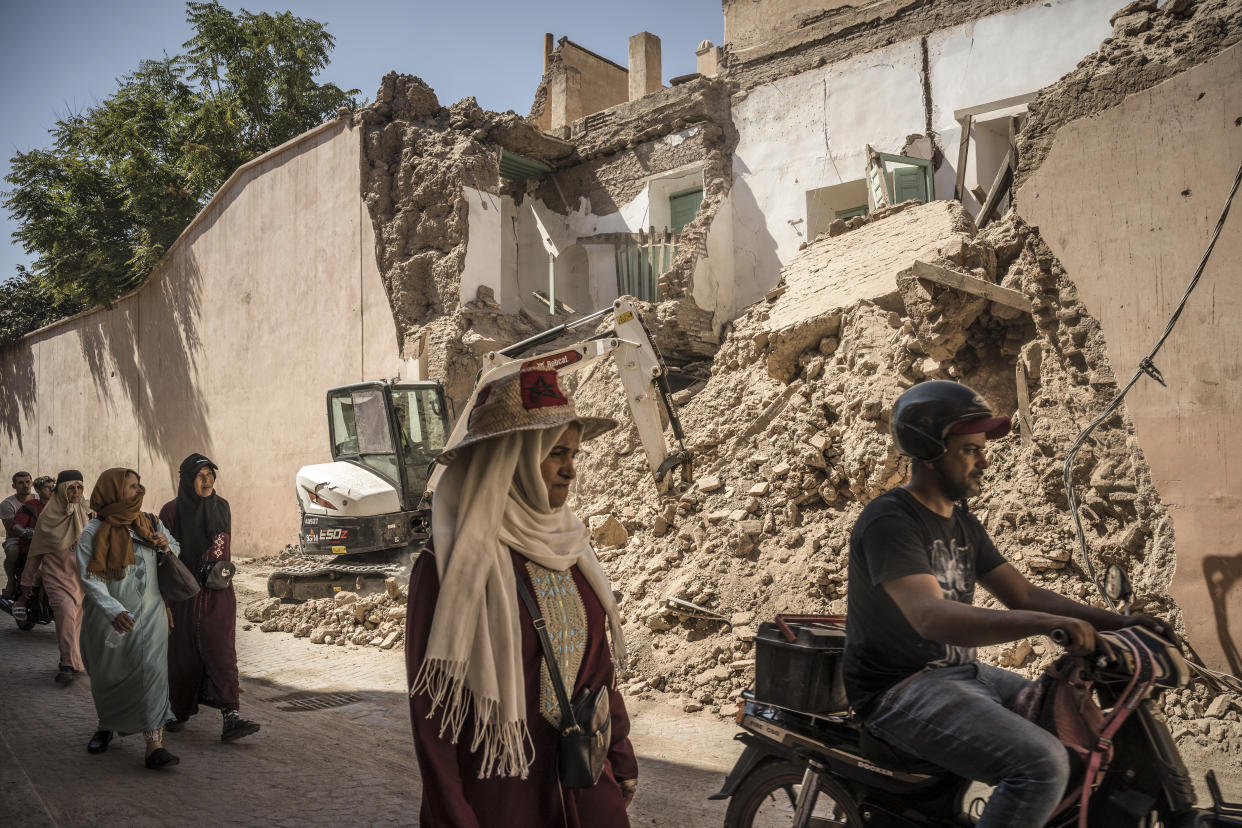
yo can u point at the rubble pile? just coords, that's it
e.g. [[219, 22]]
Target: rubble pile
[[789, 446], [1198, 716], [376, 620]]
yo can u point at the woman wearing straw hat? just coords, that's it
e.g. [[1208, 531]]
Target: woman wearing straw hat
[[482, 705]]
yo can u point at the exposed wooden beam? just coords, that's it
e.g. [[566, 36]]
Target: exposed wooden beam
[[1024, 404], [949, 277], [963, 151], [992, 106], [1000, 186]]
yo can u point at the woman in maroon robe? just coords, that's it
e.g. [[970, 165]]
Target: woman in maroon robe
[[482, 706], [202, 658]]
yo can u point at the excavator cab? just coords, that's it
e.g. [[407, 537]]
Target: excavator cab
[[395, 431], [364, 513]]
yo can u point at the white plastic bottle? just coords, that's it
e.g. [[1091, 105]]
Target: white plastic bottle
[[114, 635]]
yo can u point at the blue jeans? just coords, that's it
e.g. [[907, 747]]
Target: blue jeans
[[961, 718]]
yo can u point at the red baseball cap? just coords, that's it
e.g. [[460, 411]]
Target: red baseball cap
[[994, 427]]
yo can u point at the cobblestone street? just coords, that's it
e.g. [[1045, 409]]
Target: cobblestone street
[[350, 764]]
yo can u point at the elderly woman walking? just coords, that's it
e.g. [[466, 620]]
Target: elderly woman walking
[[202, 656], [124, 621], [53, 558], [484, 710]]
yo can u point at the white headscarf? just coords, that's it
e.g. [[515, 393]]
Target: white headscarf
[[473, 662], [60, 523]]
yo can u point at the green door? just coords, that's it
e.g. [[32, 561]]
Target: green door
[[682, 208]]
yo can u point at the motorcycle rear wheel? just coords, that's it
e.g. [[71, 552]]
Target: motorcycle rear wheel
[[766, 798]]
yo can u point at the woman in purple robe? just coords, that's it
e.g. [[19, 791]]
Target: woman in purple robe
[[202, 658]]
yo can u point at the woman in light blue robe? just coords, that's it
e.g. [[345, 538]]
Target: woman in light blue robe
[[129, 682]]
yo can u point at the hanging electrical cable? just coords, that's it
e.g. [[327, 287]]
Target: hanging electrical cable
[[1146, 366]]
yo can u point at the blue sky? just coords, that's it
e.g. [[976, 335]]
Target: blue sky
[[58, 56]]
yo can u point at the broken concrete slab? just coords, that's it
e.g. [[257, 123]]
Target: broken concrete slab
[[832, 274]]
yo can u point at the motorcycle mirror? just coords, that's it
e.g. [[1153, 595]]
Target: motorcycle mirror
[[1117, 584]]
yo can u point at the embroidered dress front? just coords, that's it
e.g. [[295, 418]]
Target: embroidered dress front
[[562, 609]]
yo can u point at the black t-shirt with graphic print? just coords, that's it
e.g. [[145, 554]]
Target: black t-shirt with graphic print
[[897, 536]]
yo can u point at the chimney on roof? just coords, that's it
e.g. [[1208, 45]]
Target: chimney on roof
[[644, 65], [548, 45], [708, 55]]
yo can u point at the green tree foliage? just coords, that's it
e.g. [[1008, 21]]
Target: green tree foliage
[[26, 305], [123, 178]]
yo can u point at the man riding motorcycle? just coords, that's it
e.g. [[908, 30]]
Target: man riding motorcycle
[[910, 669]]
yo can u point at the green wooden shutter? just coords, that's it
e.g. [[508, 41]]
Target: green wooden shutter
[[908, 183], [860, 210], [682, 208]]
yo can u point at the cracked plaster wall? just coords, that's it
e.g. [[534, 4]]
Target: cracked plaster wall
[[809, 130]]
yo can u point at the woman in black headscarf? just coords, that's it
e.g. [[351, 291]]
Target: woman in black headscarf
[[202, 658]]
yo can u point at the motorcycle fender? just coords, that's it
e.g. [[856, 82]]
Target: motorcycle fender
[[755, 753]]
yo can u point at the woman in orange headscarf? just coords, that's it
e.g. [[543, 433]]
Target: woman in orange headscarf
[[117, 563]]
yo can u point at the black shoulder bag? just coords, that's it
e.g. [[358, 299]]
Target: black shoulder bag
[[586, 725]]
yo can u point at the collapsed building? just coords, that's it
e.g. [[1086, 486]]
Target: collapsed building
[[844, 199]]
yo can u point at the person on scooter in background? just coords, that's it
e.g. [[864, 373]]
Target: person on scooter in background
[[24, 527], [910, 669], [22, 493]]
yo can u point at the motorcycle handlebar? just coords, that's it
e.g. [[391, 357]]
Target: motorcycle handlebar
[[1104, 658]]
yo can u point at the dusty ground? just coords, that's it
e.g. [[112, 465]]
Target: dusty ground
[[347, 765]]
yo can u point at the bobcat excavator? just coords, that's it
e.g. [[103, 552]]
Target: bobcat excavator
[[366, 514]]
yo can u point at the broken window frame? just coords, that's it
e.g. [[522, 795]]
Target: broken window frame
[[641, 260], [881, 189]]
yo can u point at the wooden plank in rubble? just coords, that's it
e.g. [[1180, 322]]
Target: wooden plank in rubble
[[971, 284]]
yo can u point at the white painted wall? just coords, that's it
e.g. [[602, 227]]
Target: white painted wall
[[483, 246], [602, 261], [810, 131], [806, 132], [510, 300], [1007, 54], [714, 286]]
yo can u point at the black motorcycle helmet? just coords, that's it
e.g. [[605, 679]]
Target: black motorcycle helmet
[[926, 413]]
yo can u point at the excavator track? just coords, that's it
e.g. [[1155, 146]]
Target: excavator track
[[306, 581]]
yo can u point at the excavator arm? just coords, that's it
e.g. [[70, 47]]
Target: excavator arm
[[643, 379]]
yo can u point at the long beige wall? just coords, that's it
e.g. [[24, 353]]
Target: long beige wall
[[1128, 199], [271, 297]]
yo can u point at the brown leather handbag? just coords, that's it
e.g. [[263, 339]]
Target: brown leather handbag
[[176, 581]]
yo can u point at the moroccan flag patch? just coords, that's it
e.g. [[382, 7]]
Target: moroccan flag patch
[[540, 390]]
